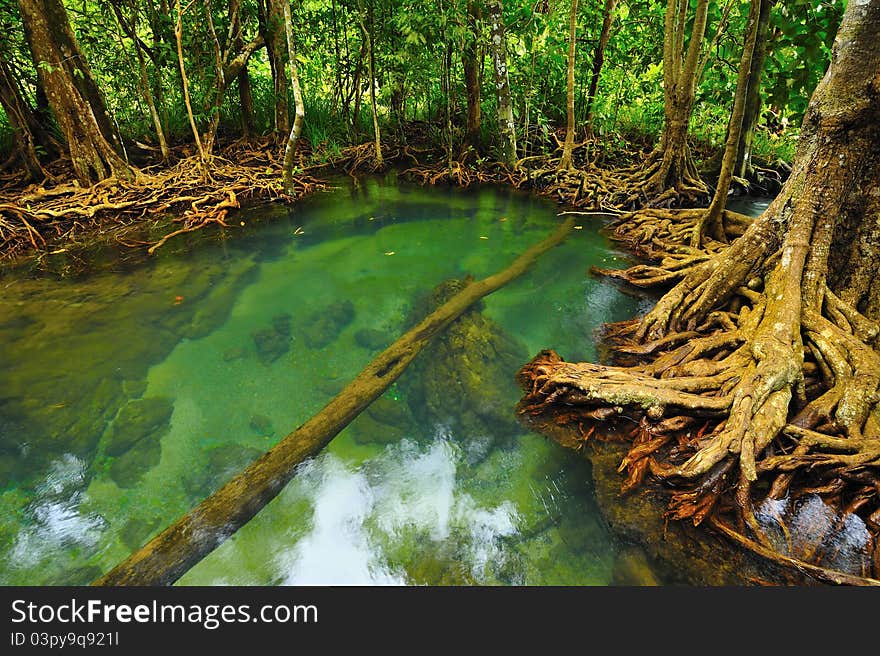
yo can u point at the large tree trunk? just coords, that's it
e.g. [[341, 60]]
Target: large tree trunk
[[752, 111], [72, 93], [471, 65], [757, 377], [565, 162], [498, 48]]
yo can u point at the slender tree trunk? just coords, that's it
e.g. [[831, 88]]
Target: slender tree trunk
[[565, 162], [712, 218], [296, 129], [498, 48], [471, 65], [93, 157], [752, 112], [599, 61], [204, 155], [368, 40], [276, 47], [245, 102]]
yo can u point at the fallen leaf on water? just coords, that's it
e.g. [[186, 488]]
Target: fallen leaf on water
[[482, 237], [579, 227], [299, 231], [389, 252]]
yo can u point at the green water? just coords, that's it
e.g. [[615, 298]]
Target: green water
[[131, 391]]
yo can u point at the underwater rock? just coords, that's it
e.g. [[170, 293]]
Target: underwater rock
[[234, 353], [83, 575], [281, 323], [136, 531], [324, 326], [384, 422], [262, 425], [270, 344], [631, 567], [464, 380], [134, 389], [129, 468], [138, 419], [371, 339], [219, 464]]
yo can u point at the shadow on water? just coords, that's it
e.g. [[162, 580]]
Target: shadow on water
[[134, 388]]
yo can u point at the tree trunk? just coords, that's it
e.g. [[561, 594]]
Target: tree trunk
[[599, 60], [204, 154], [743, 166], [471, 66], [29, 135], [71, 95], [498, 48], [712, 219], [565, 162], [670, 175], [276, 47], [245, 102], [757, 378], [296, 130], [368, 41]]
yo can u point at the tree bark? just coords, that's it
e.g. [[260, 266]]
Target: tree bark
[[599, 60], [669, 175], [296, 130], [169, 555], [245, 102], [498, 49], [368, 41], [276, 47], [752, 112], [471, 66], [565, 162], [712, 219], [72, 96], [29, 135]]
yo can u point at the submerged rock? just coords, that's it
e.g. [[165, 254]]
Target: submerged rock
[[219, 464], [138, 419], [136, 531], [384, 422], [262, 425], [270, 344], [234, 353], [464, 380], [130, 467], [371, 339], [324, 326]]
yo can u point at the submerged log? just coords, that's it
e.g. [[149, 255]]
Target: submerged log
[[169, 555]]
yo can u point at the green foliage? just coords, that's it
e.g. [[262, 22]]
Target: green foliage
[[418, 46]]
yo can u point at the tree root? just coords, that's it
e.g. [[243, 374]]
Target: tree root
[[756, 391], [37, 218]]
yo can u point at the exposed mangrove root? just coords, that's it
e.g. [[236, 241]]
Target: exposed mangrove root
[[663, 180], [37, 218], [170, 554]]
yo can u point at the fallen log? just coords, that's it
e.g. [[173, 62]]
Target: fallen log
[[165, 558]]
